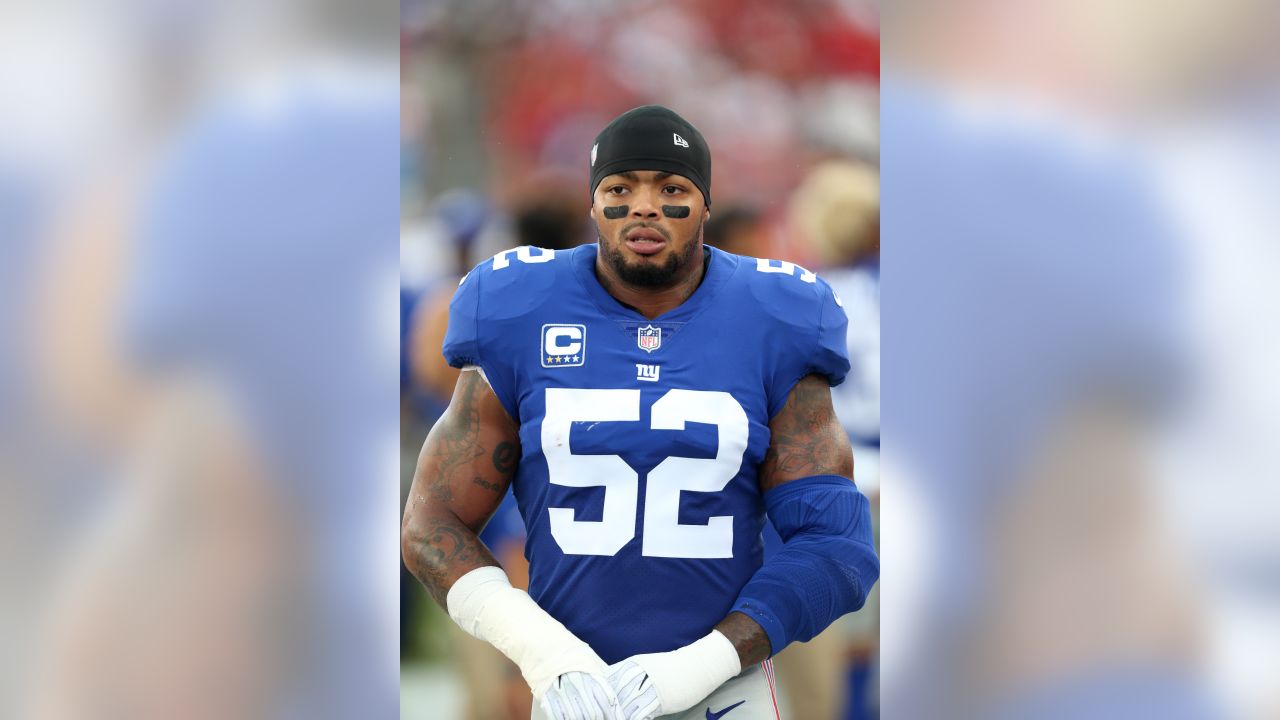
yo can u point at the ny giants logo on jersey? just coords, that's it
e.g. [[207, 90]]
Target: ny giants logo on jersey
[[648, 373], [649, 338]]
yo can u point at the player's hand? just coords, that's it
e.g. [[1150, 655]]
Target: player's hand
[[580, 696], [654, 684], [637, 696]]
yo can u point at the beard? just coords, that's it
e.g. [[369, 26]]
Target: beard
[[655, 276]]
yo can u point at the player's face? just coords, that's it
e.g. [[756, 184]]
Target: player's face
[[650, 226]]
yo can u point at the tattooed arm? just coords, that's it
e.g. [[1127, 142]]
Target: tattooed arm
[[806, 439], [463, 472]]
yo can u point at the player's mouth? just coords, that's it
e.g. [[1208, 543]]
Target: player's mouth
[[645, 241]]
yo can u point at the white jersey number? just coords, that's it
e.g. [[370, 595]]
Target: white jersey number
[[785, 268], [664, 534], [524, 254]]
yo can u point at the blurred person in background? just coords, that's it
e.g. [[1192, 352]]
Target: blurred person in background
[[738, 229], [835, 215], [458, 218], [545, 215], [435, 247], [681, 618]]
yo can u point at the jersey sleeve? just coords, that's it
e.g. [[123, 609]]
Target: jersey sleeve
[[465, 342], [812, 342], [462, 338], [832, 355]]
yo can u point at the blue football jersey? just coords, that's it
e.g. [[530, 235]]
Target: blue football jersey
[[641, 439]]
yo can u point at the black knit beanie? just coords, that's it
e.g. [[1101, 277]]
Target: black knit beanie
[[652, 137]]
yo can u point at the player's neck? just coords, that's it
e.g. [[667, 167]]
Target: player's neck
[[651, 302]]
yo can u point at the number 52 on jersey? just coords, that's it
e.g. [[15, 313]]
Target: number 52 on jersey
[[663, 534]]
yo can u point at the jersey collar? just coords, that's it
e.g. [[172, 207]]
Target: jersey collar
[[719, 267]]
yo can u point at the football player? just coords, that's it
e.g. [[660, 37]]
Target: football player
[[650, 399]]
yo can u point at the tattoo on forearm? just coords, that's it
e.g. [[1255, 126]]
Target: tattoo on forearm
[[444, 513], [505, 457], [446, 545], [455, 440]]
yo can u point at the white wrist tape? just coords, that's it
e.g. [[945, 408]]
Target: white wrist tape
[[484, 604], [689, 674]]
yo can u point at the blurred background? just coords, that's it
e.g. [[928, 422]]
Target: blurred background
[[500, 103], [198, 402]]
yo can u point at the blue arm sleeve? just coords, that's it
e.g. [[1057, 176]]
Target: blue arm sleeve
[[827, 564]]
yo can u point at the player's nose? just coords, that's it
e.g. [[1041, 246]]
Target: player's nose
[[645, 206]]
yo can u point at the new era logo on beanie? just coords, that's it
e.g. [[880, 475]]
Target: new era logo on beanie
[[652, 137]]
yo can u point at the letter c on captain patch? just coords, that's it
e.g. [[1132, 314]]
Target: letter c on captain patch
[[564, 345]]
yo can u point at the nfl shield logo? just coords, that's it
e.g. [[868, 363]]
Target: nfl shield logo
[[649, 338]]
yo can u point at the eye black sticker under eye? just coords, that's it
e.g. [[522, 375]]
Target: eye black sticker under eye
[[615, 213], [675, 211]]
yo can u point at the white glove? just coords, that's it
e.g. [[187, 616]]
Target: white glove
[[664, 683], [637, 697], [580, 696]]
